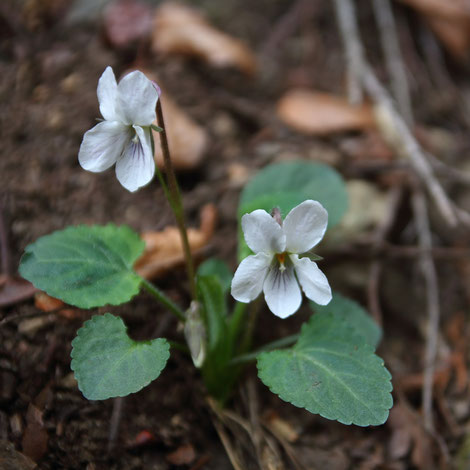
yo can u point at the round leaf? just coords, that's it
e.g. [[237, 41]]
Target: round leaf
[[332, 372], [107, 363], [85, 266], [286, 185], [350, 312]]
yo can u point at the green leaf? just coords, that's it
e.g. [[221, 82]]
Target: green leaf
[[107, 363], [217, 267], [214, 303], [85, 266], [331, 372], [350, 312], [286, 185]]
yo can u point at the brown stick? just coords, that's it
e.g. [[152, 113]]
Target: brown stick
[[432, 300]]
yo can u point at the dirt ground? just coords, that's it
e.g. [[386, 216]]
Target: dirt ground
[[49, 68]]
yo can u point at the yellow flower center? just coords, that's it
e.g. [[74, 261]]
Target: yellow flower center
[[281, 257]]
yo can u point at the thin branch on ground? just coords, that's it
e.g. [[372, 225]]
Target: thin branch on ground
[[421, 217], [354, 54], [390, 122], [393, 58]]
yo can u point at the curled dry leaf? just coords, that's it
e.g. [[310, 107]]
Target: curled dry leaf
[[450, 21], [179, 29], [316, 113], [164, 251], [126, 22], [183, 455], [187, 139]]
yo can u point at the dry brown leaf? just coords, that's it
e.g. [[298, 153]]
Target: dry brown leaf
[[187, 139], [183, 455], [281, 427], [450, 21], [179, 29], [164, 251], [35, 437], [46, 303], [317, 113]]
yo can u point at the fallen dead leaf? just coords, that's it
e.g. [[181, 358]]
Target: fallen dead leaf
[[450, 21], [179, 29], [29, 326], [163, 249], [126, 22], [317, 113], [187, 139], [35, 437], [183, 455], [46, 303], [14, 290]]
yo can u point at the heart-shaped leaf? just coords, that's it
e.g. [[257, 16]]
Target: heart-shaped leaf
[[350, 312], [85, 266], [331, 371], [107, 363], [286, 185]]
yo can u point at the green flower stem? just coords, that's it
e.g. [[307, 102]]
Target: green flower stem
[[163, 299], [175, 200], [280, 343], [179, 346], [235, 322]]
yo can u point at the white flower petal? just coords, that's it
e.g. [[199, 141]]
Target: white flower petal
[[137, 98], [282, 291], [107, 95], [136, 166], [314, 283], [103, 145], [305, 226], [263, 233], [247, 283]]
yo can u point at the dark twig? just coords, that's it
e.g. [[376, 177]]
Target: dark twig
[[432, 300]]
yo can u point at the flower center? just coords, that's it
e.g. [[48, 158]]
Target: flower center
[[135, 139], [281, 257]]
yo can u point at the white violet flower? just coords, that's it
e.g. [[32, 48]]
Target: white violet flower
[[276, 268], [124, 137]]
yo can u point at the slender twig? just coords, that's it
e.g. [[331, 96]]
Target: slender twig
[[345, 11], [176, 200], [163, 299], [393, 58], [390, 122], [432, 300]]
